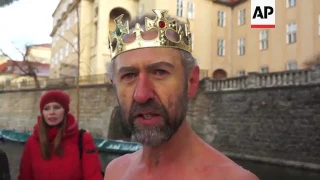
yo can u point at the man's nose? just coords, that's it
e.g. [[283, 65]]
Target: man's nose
[[144, 89]]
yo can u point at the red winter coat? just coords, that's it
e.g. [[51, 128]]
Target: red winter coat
[[68, 167]]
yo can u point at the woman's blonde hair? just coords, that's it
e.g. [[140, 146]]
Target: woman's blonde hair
[[44, 140]]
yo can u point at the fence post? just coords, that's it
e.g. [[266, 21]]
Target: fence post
[[252, 79], [316, 73]]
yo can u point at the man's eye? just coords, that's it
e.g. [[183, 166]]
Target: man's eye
[[160, 72], [128, 76]]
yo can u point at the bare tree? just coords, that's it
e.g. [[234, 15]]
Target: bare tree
[[78, 49], [25, 67]]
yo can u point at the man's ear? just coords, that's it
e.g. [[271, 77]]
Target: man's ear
[[193, 82]]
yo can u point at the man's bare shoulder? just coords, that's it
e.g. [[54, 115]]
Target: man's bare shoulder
[[240, 173], [226, 168], [230, 171], [117, 166]]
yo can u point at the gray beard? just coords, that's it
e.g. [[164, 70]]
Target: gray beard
[[158, 134]]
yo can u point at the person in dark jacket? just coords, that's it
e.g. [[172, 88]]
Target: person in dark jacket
[[4, 166], [52, 151]]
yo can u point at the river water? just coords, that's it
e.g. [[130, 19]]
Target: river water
[[263, 171]]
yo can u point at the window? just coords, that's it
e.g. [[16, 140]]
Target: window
[[241, 73], [67, 50], [242, 17], [292, 65], [264, 40], [75, 16], [191, 8], [291, 3], [75, 45], [179, 8], [96, 11], [94, 34], [56, 58], [61, 54], [221, 19], [52, 61], [68, 23], [62, 29], [241, 47], [291, 33], [221, 47], [264, 69]]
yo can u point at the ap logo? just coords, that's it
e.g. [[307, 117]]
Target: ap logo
[[263, 14]]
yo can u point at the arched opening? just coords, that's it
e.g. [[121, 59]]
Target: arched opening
[[117, 129], [219, 74], [114, 13]]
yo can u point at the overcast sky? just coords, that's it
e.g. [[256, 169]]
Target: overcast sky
[[25, 22]]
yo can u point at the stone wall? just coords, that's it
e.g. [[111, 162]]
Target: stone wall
[[19, 109], [280, 125], [267, 117]]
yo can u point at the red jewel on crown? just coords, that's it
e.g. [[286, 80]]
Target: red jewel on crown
[[162, 24]]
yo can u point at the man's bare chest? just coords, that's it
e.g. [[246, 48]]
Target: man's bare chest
[[170, 174]]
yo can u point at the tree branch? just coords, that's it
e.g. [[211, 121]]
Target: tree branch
[[13, 61]]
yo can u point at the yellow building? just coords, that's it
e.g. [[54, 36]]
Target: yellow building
[[238, 49], [39, 53], [224, 43], [22, 73], [37, 60]]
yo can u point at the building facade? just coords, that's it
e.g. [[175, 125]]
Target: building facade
[[238, 49], [39, 53], [36, 62], [228, 46]]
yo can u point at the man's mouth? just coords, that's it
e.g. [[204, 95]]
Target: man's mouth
[[147, 116]]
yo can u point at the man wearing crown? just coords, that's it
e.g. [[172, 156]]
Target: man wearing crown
[[155, 75]]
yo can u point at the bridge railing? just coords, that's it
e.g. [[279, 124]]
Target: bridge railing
[[257, 80]]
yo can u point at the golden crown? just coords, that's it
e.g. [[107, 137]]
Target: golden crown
[[161, 23]]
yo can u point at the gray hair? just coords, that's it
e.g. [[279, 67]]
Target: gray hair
[[188, 62]]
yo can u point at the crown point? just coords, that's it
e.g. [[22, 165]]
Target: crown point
[[162, 24]]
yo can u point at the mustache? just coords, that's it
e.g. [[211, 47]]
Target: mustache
[[150, 105]]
